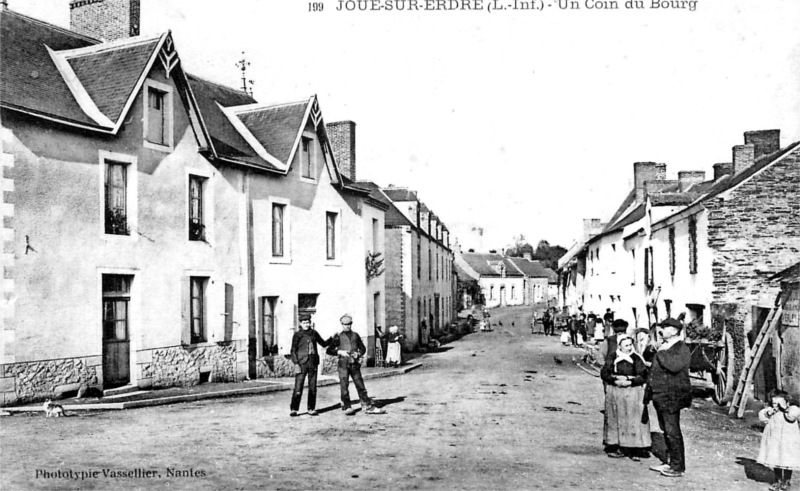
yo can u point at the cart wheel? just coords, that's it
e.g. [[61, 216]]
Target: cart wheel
[[724, 370]]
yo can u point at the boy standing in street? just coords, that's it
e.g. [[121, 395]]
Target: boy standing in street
[[306, 361], [351, 350]]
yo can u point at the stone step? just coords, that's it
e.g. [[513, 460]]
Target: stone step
[[125, 389], [125, 394]]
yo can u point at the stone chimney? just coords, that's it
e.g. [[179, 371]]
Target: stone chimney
[[342, 135], [722, 169], [646, 171], [592, 227], [106, 20], [743, 157], [688, 178], [765, 141]]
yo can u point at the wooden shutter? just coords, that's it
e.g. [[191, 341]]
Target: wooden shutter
[[228, 312], [186, 311]]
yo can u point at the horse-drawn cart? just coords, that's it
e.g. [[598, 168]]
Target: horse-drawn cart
[[712, 357]]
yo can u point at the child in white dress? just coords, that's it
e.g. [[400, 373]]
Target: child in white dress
[[780, 443]]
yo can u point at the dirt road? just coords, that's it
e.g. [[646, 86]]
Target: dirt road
[[490, 411]]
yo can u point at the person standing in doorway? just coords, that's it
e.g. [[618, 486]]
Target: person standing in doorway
[[669, 388], [351, 351], [305, 360]]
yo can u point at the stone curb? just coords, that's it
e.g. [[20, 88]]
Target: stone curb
[[161, 401]]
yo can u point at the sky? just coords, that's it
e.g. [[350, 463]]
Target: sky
[[516, 122]]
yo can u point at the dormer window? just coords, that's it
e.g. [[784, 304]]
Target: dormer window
[[307, 158], [157, 116]]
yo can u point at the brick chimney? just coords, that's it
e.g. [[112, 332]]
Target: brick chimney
[[765, 141], [107, 20], [342, 135], [743, 157], [723, 169], [646, 171], [688, 178]]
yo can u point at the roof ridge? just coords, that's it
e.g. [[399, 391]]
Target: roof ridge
[[109, 46], [217, 84], [249, 108], [50, 25]]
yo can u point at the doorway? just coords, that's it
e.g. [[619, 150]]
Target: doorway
[[116, 327]]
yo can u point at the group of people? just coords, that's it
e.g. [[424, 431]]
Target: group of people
[[638, 369], [350, 350]]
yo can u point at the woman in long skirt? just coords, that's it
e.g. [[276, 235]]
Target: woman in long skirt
[[625, 374], [393, 351]]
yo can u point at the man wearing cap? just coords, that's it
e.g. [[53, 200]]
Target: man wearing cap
[[669, 388], [306, 361], [351, 350]]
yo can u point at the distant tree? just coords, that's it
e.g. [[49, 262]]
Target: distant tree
[[548, 255]]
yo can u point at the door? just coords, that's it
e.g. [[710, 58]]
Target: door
[[116, 341], [502, 296]]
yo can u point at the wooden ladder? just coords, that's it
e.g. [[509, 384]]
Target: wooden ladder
[[746, 378]]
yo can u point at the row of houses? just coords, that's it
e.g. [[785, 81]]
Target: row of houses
[[506, 281], [699, 246], [160, 229]]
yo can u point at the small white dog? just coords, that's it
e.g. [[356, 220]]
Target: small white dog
[[54, 410]]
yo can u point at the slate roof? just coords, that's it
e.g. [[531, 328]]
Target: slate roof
[[110, 75], [227, 141], [400, 194], [29, 78], [462, 273], [672, 199], [552, 276], [482, 264], [392, 217], [533, 269], [276, 127], [790, 274]]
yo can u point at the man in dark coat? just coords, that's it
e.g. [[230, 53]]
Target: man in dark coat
[[306, 361], [669, 388], [351, 351]]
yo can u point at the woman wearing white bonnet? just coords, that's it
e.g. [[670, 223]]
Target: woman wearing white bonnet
[[393, 351]]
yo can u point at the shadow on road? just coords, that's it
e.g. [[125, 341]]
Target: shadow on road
[[386, 402], [440, 349], [755, 471]]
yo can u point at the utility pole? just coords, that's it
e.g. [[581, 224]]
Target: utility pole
[[247, 85]]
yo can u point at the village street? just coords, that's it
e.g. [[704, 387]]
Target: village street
[[489, 411]]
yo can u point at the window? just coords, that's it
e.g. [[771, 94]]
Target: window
[[375, 235], [419, 259], [513, 293], [116, 198], [196, 220], [307, 303], [430, 264], [116, 297], [278, 213], [198, 309], [672, 251], [633, 267], [692, 245], [268, 326], [157, 115], [330, 227], [307, 157], [491, 292], [648, 267]]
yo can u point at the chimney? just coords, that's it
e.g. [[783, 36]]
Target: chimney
[[592, 227], [743, 157], [106, 20], [723, 169], [342, 135], [688, 178], [646, 171], [528, 256], [765, 141]]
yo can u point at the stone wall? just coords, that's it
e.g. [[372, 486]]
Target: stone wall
[[178, 366], [755, 233], [40, 380], [281, 366]]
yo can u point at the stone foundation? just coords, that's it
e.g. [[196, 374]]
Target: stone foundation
[[180, 367], [280, 366], [37, 381]]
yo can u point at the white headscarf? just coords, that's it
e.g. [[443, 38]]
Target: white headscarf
[[620, 356]]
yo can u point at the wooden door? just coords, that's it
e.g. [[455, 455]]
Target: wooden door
[[116, 341]]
